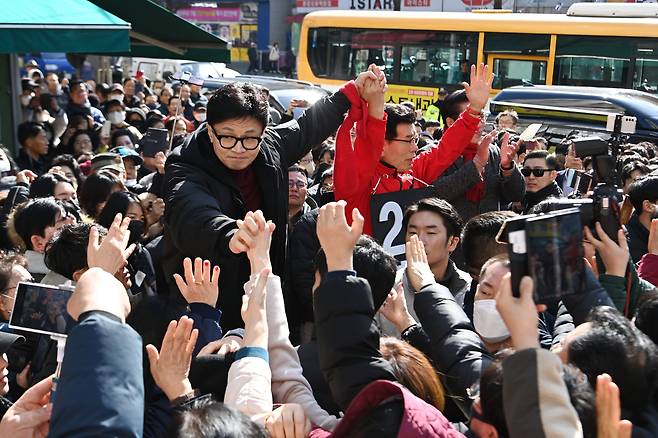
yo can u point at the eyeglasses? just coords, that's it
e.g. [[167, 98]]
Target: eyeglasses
[[412, 141], [536, 172], [298, 184], [306, 160], [229, 142]]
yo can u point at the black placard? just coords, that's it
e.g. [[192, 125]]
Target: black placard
[[386, 213]]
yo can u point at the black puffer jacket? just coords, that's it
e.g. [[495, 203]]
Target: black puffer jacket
[[203, 202], [303, 246], [455, 348]]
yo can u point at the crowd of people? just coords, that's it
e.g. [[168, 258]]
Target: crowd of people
[[212, 300]]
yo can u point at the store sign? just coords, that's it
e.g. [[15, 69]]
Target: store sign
[[417, 3], [199, 14], [319, 4], [373, 5]]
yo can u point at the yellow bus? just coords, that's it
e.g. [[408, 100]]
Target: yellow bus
[[422, 52]]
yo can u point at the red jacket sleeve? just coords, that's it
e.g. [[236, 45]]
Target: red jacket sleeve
[[429, 165], [648, 268]]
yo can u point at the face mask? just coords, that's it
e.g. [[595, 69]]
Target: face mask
[[200, 117], [131, 182], [136, 229], [118, 97], [25, 100], [5, 166], [116, 117], [488, 322]]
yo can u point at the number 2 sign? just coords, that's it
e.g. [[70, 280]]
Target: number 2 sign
[[387, 212]]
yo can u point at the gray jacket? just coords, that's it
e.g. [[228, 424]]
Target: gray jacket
[[500, 190]]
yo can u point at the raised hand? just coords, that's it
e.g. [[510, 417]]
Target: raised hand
[[25, 176], [253, 313], [221, 346], [336, 237], [395, 309], [288, 421], [608, 410], [361, 79], [519, 314], [170, 366], [98, 290], [614, 256], [112, 253], [482, 153], [29, 417], [259, 252], [480, 87], [418, 270], [199, 286], [508, 152], [243, 239]]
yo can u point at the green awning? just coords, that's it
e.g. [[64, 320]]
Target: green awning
[[73, 26], [158, 33]]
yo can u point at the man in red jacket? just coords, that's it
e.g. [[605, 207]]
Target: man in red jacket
[[383, 157]]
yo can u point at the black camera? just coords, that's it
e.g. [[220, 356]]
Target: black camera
[[547, 247]]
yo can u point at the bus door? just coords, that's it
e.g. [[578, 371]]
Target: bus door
[[516, 69]]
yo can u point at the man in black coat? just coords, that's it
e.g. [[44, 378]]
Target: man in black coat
[[232, 165]]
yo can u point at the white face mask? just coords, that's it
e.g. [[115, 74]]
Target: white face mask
[[200, 117], [116, 117], [488, 322], [25, 100], [42, 117], [131, 182]]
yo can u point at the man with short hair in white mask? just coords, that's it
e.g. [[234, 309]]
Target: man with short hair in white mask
[[487, 321], [199, 114]]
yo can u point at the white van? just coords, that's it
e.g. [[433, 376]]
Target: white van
[[159, 69]]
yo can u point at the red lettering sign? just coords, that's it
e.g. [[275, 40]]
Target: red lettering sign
[[316, 3]]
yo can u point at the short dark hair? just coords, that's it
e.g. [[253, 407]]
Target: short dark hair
[[7, 261], [236, 101], [371, 263], [44, 185], [111, 103], [551, 160], [66, 253], [452, 104], [31, 218], [397, 114], [479, 238], [299, 169], [451, 219], [205, 417], [120, 133], [91, 134], [70, 162], [643, 189], [613, 345], [28, 130], [628, 169], [117, 202], [96, 189], [646, 318]]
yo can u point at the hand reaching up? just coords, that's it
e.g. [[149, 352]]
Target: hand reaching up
[[508, 152], [199, 286], [254, 313], [29, 417], [259, 252], [112, 253], [98, 290], [482, 153], [614, 255], [170, 366], [519, 314], [336, 237], [608, 410], [395, 309], [244, 238], [480, 87], [418, 270]]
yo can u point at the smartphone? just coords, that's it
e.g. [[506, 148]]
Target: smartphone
[[154, 141], [40, 308], [555, 254]]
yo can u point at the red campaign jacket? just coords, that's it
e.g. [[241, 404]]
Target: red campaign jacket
[[358, 171]]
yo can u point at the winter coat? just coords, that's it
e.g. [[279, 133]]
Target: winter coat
[[638, 238], [203, 201]]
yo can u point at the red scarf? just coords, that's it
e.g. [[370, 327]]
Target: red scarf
[[475, 193]]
